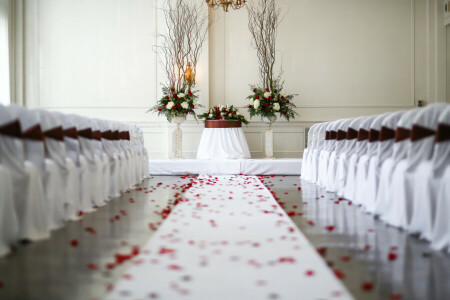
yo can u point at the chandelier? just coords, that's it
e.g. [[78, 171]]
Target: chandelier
[[235, 4]]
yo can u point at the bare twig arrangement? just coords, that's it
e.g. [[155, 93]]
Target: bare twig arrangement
[[187, 25], [263, 21]]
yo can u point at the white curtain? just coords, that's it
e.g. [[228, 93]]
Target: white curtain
[[5, 93]]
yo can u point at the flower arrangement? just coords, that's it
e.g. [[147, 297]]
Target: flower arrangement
[[224, 112], [266, 103], [176, 103]]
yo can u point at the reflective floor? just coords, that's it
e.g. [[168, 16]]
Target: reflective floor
[[78, 261]]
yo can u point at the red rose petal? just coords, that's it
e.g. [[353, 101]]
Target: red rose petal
[[92, 266], [309, 273], [392, 256], [174, 267], [74, 243], [330, 228], [339, 274], [345, 258], [396, 297], [367, 286]]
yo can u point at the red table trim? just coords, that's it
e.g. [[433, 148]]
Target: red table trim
[[223, 124]]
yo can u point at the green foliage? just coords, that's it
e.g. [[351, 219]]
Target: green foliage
[[223, 112], [268, 103]]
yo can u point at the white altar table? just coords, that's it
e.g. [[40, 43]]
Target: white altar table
[[223, 140]]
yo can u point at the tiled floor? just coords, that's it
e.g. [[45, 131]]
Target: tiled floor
[[375, 261]]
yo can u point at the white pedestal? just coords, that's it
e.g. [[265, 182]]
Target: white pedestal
[[177, 142], [269, 143]]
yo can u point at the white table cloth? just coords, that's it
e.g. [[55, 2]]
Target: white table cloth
[[223, 143]]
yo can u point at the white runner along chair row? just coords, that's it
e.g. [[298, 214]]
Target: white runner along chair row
[[55, 167], [395, 166]]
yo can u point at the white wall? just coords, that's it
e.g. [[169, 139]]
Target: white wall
[[344, 58]]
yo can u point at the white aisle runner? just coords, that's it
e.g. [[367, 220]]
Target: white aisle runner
[[229, 239]]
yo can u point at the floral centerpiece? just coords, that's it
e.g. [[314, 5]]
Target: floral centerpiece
[[268, 103], [224, 112], [177, 103]]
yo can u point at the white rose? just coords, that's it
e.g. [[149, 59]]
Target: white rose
[[185, 105], [222, 114], [194, 101], [181, 95], [256, 104], [238, 113], [170, 105], [267, 94], [282, 95], [210, 110], [221, 107], [210, 115], [276, 106]]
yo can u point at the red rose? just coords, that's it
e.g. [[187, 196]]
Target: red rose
[[172, 89], [276, 91], [178, 105], [250, 107], [266, 110], [190, 94], [159, 109], [189, 91], [269, 97], [254, 90], [192, 106], [267, 90], [282, 97], [174, 95], [219, 117], [266, 104], [285, 112], [186, 112], [287, 102], [165, 104], [167, 97], [173, 107], [257, 97]]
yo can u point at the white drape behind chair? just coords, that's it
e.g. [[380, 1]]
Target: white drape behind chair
[[5, 96]]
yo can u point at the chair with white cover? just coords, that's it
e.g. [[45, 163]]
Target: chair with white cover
[[345, 155], [397, 209], [305, 169], [420, 178], [105, 172], [61, 170], [325, 154], [362, 161], [440, 238], [23, 222], [9, 227], [386, 160], [339, 147], [372, 178], [315, 153]]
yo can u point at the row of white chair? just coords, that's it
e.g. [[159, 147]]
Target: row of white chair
[[55, 167], [395, 165]]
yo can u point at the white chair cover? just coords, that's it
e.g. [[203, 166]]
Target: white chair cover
[[386, 161], [420, 176], [27, 186], [334, 157], [305, 171], [324, 157], [9, 225], [344, 157], [315, 153], [398, 212]]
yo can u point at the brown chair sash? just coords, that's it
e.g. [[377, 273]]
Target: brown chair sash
[[341, 135], [419, 132], [327, 136], [107, 135], [223, 124], [443, 133], [374, 135], [402, 134], [34, 133], [128, 137], [71, 133], [123, 135], [86, 133], [115, 135], [55, 133], [363, 135], [97, 135], [352, 134], [333, 135], [386, 134], [12, 129]]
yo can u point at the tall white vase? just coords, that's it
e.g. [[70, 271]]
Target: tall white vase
[[269, 135], [177, 138]]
